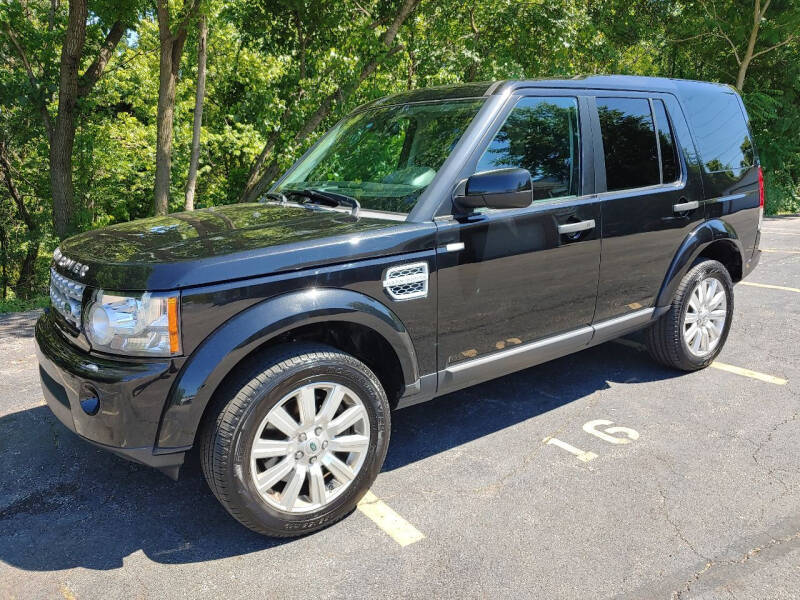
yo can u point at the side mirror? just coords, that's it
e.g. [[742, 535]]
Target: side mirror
[[501, 188]]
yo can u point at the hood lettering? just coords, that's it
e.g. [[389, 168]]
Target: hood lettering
[[69, 264]]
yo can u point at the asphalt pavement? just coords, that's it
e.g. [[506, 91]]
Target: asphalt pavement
[[598, 475]]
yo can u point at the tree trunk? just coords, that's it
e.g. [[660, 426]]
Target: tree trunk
[[471, 71], [253, 187], [256, 171], [63, 137], [191, 181], [27, 271], [26, 281], [341, 94], [169, 65], [751, 44], [166, 107], [4, 259]]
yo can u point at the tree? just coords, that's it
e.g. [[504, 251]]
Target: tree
[[260, 177], [171, 51], [71, 88], [741, 31], [25, 280], [81, 89], [191, 181], [759, 13]]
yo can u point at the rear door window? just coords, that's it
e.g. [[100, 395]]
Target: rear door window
[[542, 136], [629, 143]]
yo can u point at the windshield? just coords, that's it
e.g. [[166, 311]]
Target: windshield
[[385, 157]]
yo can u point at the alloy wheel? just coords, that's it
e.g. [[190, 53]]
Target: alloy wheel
[[705, 316], [310, 447]]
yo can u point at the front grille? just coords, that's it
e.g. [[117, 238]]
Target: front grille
[[66, 297], [406, 282]]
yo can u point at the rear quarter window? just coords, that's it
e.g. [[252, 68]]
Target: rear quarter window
[[721, 134]]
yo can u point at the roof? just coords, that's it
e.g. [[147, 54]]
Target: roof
[[489, 88]]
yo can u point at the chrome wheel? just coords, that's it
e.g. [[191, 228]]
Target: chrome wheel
[[310, 447], [705, 317]]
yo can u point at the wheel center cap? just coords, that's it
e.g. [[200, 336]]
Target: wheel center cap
[[313, 446]]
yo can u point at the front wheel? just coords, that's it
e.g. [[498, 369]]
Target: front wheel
[[296, 439], [691, 334]]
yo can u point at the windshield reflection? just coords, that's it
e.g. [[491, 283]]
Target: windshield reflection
[[385, 157]]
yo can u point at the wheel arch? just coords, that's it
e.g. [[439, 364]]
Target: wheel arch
[[342, 315], [713, 239]]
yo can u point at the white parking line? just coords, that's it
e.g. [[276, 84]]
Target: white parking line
[[748, 373], [716, 364], [779, 251], [400, 530], [770, 286], [577, 452]]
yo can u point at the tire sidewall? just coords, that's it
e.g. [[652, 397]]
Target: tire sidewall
[[702, 271], [265, 397]]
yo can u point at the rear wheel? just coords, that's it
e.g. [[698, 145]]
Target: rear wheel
[[691, 334], [296, 439]]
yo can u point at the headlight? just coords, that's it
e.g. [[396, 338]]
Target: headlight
[[146, 324]]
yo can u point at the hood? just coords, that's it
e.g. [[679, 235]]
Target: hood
[[226, 242]]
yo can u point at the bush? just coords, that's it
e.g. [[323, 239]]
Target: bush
[[18, 305], [781, 195]]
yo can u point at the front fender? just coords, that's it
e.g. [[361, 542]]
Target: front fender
[[693, 245], [238, 337]]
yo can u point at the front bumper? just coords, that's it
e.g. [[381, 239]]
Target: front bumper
[[131, 397]]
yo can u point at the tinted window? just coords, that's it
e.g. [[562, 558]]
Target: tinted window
[[720, 129], [385, 157], [629, 143], [669, 158], [542, 136]]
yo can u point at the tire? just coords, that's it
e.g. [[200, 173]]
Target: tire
[[667, 338], [246, 408]]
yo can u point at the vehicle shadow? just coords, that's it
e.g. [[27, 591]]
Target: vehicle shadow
[[66, 504], [19, 324]]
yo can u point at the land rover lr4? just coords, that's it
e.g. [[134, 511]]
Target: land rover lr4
[[430, 241]]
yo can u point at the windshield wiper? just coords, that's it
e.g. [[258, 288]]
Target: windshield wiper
[[280, 197], [326, 198]]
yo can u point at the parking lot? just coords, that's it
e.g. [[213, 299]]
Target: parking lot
[[597, 475]]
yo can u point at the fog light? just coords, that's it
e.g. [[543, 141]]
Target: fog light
[[90, 400]]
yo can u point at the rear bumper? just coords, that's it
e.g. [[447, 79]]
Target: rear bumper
[[131, 397]]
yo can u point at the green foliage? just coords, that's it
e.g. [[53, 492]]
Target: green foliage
[[17, 305], [273, 63]]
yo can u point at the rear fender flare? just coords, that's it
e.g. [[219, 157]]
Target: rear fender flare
[[710, 232], [226, 347]]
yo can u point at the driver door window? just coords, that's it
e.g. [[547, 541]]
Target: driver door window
[[542, 136], [495, 290]]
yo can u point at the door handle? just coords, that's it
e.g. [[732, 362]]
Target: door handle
[[575, 227], [685, 206]]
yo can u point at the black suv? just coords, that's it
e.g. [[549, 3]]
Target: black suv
[[430, 241]]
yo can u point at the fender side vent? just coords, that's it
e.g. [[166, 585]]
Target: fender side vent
[[407, 282]]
